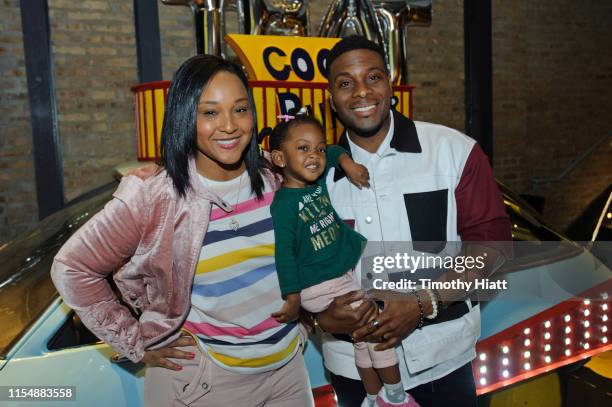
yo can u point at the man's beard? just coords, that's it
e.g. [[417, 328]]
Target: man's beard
[[366, 133]]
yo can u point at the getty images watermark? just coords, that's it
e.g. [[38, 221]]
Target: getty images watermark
[[407, 262], [542, 271]]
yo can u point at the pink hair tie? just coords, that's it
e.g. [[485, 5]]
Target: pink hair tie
[[285, 117]]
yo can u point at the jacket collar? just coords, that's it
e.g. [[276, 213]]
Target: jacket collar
[[404, 139]]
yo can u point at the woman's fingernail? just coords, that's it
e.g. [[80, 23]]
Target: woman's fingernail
[[179, 368], [191, 355]]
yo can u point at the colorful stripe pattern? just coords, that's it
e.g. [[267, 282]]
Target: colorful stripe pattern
[[235, 288]]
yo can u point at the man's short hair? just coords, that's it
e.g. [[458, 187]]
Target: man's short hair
[[352, 43]]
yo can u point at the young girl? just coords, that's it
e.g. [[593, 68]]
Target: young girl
[[316, 251]]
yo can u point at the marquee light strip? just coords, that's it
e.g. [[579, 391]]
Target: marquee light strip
[[570, 331]]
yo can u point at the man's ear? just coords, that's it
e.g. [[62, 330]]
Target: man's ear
[[331, 103], [278, 158]]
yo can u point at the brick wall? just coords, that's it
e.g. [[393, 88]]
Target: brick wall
[[177, 37], [550, 68], [18, 207], [94, 55], [436, 66], [552, 87], [510, 101]]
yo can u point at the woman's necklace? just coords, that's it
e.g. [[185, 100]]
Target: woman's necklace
[[233, 223]]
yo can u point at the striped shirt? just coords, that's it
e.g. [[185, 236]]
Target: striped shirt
[[235, 287]]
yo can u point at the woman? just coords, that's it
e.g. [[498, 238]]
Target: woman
[[191, 248]]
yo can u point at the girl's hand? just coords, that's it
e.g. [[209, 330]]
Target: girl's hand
[[290, 309], [159, 357], [356, 173]]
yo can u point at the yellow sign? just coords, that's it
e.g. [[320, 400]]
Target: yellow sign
[[277, 58]]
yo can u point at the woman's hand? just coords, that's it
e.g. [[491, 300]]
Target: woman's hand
[[341, 318], [290, 309], [159, 357], [356, 173]]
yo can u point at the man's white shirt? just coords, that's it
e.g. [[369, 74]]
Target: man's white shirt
[[380, 214]]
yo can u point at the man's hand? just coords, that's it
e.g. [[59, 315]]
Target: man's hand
[[398, 319], [341, 318], [290, 309], [159, 357]]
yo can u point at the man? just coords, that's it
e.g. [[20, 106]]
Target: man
[[428, 183]]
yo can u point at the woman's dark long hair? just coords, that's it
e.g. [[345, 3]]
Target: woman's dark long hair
[[179, 131]]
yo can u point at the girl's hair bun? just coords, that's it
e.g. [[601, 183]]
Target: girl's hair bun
[[304, 111]]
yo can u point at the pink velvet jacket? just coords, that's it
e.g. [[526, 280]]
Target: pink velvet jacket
[[149, 238]]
